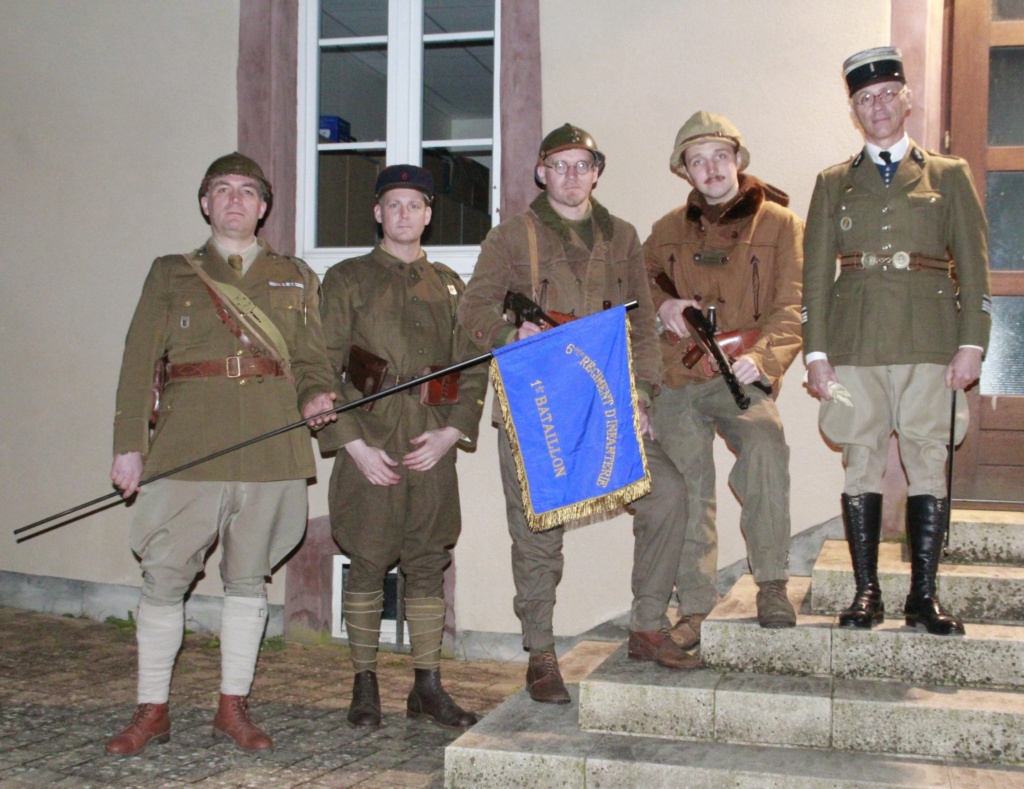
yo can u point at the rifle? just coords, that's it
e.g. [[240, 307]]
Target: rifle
[[527, 310], [249, 442]]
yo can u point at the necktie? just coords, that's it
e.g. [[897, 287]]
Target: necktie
[[236, 262], [889, 168]]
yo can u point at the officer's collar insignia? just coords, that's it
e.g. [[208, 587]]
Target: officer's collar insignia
[[917, 156], [856, 162]]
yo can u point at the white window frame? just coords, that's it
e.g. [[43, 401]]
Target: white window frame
[[404, 123]]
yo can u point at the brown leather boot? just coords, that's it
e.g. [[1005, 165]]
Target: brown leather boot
[[150, 722], [364, 709], [686, 632], [658, 646], [232, 722], [545, 680], [428, 699]]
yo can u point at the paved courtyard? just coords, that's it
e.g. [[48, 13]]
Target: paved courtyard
[[67, 684]]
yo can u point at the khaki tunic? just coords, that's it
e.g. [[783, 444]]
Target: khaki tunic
[[202, 415], [405, 313], [883, 315]]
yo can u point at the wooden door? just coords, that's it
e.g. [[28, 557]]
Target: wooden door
[[987, 128]]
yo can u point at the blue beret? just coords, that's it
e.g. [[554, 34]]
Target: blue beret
[[404, 176]]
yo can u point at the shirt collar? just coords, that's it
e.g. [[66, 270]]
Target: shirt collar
[[898, 151]]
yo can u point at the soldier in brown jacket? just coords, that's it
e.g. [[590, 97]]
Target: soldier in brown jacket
[[583, 260], [394, 492], [903, 325], [736, 247], [221, 390]]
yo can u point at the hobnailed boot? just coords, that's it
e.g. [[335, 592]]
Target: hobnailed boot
[[364, 710], [862, 519], [926, 527], [150, 723], [232, 722], [429, 699]]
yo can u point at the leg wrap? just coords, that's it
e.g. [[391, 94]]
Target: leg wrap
[[425, 616], [362, 621], [242, 623], [158, 631]]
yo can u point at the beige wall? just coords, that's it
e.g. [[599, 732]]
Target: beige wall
[[631, 73], [111, 112]]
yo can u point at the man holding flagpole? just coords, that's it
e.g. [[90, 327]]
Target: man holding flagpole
[[570, 255]]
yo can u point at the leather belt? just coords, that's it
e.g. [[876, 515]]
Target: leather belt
[[229, 367], [909, 261]]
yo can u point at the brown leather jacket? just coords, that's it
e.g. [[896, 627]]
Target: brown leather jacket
[[745, 259]]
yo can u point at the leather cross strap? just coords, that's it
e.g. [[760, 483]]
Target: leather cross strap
[[229, 367]]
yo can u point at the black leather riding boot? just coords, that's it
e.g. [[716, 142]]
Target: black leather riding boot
[[926, 526], [862, 518]]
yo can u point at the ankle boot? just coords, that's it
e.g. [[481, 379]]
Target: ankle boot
[[232, 722], [428, 699], [150, 723], [364, 710], [862, 519], [926, 528]]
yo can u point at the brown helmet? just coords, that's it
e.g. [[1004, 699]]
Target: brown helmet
[[566, 137], [704, 127], [237, 164]]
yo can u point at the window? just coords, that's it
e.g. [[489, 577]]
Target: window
[[390, 82]]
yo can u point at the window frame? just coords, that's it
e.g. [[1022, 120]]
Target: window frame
[[405, 42]]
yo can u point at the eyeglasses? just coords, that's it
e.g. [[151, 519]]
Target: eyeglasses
[[581, 167], [886, 96]]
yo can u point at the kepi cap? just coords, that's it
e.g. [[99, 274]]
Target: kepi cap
[[405, 176], [879, 64]]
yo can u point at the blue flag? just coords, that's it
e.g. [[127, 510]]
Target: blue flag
[[570, 409]]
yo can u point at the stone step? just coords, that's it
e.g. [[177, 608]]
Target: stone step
[[986, 537], [988, 656], [541, 746], [628, 697], [976, 593]]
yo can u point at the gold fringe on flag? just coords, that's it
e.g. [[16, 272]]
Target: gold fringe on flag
[[592, 508]]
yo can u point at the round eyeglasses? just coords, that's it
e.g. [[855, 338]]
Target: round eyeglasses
[[581, 167], [868, 99]]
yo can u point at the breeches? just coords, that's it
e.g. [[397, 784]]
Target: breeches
[[685, 421], [176, 524], [537, 559], [910, 399], [414, 523]]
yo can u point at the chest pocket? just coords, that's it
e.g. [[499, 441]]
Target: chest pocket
[[287, 303], [927, 217], [190, 319], [857, 221]]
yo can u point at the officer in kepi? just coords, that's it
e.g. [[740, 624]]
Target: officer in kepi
[[903, 327], [239, 327]]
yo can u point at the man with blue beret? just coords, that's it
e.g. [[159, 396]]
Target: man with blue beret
[[388, 317]]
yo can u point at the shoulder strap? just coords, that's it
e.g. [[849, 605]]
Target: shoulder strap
[[531, 235], [252, 322]]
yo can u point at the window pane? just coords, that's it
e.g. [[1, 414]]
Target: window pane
[[458, 91], [1006, 96], [354, 87], [1007, 10], [462, 195], [346, 18], [1004, 204], [1003, 370], [457, 16], [345, 198]]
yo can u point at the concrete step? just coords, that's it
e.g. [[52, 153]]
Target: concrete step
[[628, 697], [986, 537], [988, 656], [976, 593], [541, 746]]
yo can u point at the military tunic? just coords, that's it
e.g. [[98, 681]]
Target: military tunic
[[745, 258], [404, 313], [254, 498], [577, 280], [880, 314]]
